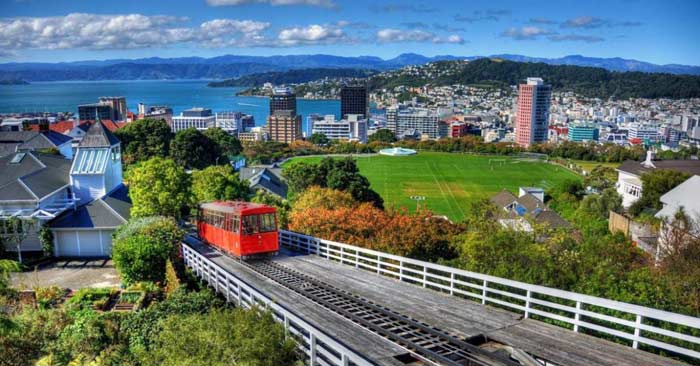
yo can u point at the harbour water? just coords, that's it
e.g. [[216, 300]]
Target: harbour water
[[178, 94]]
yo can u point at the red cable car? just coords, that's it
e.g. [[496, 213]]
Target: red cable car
[[242, 229]]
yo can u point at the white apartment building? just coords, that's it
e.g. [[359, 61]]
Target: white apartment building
[[643, 132], [199, 118], [354, 128], [423, 120]]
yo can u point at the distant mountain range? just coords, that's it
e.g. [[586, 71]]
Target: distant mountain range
[[232, 66]]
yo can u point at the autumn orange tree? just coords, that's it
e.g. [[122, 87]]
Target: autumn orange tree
[[418, 235]]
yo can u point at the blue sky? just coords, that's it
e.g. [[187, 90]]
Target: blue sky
[[66, 30]]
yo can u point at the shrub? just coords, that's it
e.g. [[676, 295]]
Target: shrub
[[48, 296], [46, 239], [143, 246], [172, 282], [141, 258], [89, 298]]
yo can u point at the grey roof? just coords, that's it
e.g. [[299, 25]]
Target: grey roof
[[503, 199], [551, 219], [45, 140], [40, 173], [530, 202], [17, 136], [98, 136], [267, 178], [7, 148], [119, 201], [109, 211], [684, 166]]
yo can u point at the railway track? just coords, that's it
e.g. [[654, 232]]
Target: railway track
[[430, 344]]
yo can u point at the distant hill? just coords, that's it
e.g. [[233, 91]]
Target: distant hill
[[292, 77], [233, 66], [587, 81]]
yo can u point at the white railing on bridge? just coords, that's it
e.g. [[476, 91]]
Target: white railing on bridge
[[319, 348], [636, 325]]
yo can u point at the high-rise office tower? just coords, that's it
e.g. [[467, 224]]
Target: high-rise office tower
[[532, 119], [284, 127], [118, 105], [283, 99], [354, 100]]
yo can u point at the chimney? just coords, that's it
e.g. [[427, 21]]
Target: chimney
[[649, 162], [43, 125]]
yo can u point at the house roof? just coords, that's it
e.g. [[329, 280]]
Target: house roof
[[61, 127], [551, 219], [530, 202], [98, 135], [45, 140], [686, 195], [684, 166], [267, 178], [36, 174], [503, 198], [109, 211]]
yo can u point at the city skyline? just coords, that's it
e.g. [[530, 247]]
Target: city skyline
[[68, 30]]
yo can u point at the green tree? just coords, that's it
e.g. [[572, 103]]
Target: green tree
[[655, 184], [144, 139], [318, 139], [227, 144], [158, 187], [602, 204], [383, 135], [219, 182], [141, 258], [193, 150], [601, 177], [223, 337]]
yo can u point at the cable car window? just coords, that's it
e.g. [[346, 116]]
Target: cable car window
[[236, 223], [250, 224], [267, 223]]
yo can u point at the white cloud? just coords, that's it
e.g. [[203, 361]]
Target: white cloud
[[322, 3], [313, 34], [98, 32], [390, 35], [525, 33]]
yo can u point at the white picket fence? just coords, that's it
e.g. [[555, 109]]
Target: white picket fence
[[638, 325], [320, 348]]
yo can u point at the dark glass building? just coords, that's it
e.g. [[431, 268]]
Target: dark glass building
[[283, 99], [89, 112], [354, 100]]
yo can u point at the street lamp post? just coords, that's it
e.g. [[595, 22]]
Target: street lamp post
[[418, 199]]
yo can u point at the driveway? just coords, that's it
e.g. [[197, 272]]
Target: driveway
[[71, 274]]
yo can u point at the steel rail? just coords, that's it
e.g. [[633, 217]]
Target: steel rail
[[427, 342]]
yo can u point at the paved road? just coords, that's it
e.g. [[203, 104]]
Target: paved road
[[71, 274]]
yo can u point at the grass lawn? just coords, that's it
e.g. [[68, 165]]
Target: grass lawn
[[451, 181], [589, 165]]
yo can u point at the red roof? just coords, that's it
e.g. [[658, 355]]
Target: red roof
[[61, 127], [111, 125], [635, 141]]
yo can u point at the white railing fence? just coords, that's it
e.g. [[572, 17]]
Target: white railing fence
[[320, 349], [637, 326]]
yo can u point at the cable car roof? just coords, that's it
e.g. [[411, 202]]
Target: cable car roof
[[239, 207]]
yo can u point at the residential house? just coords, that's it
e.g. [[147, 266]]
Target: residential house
[[22, 141], [629, 182], [518, 212], [82, 201], [266, 177], [685, 197]]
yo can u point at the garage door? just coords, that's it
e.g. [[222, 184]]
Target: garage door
[[90, 244], [84, 243], [67, 244]]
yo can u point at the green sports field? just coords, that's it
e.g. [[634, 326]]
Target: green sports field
[[449, 181]]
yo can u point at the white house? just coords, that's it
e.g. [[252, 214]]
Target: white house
[[82, 201], [685, 196], [629, 182]]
